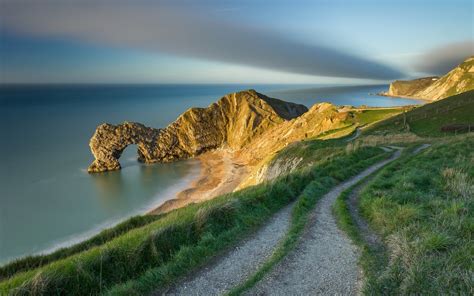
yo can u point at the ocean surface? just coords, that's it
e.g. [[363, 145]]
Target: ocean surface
[[47, 199]]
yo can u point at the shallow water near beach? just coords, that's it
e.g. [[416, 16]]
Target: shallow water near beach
[[47, 199]]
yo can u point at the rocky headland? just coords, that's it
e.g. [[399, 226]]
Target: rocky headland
[[232, 122], [233, 138], [456, 81]]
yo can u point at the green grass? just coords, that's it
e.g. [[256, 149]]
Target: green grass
[[314, 151], [311, 152], [347, 129], [157, 253], [427, 120], [300, 215], [363, 118], [371, 259], [422, 206], [370, 116], [31, 262]]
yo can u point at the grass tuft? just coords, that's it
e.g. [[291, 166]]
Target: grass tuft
[[422, 206]]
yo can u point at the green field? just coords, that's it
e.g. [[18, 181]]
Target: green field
[[427, 120]]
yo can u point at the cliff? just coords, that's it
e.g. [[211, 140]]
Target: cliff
[[410, 88], [232, 122], [320, 118], [458, 80]]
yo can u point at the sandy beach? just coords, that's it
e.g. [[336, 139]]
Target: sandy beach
[[221, 172]]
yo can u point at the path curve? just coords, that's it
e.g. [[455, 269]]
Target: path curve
[[325, 261], [421, 148], [236, 266], [354, 136]]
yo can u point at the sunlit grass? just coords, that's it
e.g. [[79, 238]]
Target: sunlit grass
[[423, 208]]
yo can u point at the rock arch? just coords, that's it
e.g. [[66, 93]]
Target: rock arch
[[109, 141]]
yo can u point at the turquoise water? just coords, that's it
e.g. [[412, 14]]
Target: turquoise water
[[47, 200]]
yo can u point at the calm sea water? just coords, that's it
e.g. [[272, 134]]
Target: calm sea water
[[47, 200]]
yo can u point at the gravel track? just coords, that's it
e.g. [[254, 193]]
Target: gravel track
[[421, 148], [325, 261], [237, 265]]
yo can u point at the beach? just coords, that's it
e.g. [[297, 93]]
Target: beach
[[221, 172]]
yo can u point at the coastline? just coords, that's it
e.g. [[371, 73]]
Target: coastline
[[404, 97], [221, 172]]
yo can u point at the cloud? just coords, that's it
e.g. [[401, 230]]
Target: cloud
[[441, 60], [183, 30]]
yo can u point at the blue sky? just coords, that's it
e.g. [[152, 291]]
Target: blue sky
[[143, 41]]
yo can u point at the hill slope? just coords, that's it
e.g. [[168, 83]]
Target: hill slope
[[458, 80], [432, 119]]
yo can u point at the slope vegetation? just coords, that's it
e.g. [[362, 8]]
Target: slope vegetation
[[434, 119], [423, 208]]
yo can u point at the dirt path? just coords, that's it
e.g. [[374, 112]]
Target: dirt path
[[325, 261], [421, 148], [237, 265], [355, 136]]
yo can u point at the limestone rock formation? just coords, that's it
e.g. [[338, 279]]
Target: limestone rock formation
[[458, 80], [232, 122], [410, 88], [320, 118], [109, 141]]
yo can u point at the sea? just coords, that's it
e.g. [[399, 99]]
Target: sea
[[47, 198]]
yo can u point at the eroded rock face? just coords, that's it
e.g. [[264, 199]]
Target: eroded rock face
[[456, 81], [410, 88], [232, 122], [109, 141], [320, 118]]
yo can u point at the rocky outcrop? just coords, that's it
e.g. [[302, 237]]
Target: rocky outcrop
[[458, 80], [409, 88], [109, 141], [320, 118], [232, 122], [259, 154], [274, 169]]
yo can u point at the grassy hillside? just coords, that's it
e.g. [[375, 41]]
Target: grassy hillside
[[361, 118], [456, 81], [423, 207], [428, 120]]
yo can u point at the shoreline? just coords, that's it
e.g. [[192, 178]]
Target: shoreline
[[221, 172], [403, 97]]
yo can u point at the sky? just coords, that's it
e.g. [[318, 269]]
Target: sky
[[247, 41]]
